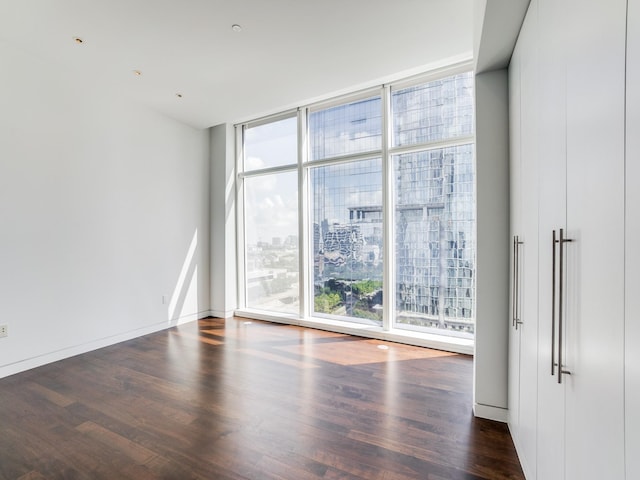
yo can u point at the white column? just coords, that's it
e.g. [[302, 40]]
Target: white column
[[223, 224], [492, 276]]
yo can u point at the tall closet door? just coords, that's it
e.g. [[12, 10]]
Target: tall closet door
[[515, 217], [524, 222], [594, 292], [632, 251], [528, 251], [553, 17]]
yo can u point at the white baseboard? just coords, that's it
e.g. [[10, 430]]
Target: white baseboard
[[50, 357], [192, 317], [490, 412], [221, 313]]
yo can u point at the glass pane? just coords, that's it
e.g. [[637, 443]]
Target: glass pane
[[433, 111], [346, 129], [347, 241], [271, 145], [435, 239], [271, 242]]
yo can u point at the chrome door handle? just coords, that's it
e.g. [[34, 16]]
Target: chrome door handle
[[518, 321], [561, 242], [553, 305], [515, 288], [513, 284]]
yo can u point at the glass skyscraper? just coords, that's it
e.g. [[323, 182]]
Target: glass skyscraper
[[431, 207]]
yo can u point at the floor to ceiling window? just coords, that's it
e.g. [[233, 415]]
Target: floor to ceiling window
[[434, 204], [346, 211], [362, 209], [271, 277]]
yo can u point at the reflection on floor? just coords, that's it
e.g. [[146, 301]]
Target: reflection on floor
[[238, 399]]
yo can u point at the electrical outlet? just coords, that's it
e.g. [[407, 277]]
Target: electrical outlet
[[4, 330], [164, 299]]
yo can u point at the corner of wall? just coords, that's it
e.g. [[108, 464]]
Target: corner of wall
[[492, 280], [222, 220]]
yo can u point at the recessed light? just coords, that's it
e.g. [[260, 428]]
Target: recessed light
[[78, 40], [137, 73], [383, 347], [236, 28]]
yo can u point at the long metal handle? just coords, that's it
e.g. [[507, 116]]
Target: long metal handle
[[553, 305], [515, 287], [561, 370], [513, 284], [518, 321]]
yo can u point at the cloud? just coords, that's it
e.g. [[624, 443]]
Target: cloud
[[271, 206], [253, 163]]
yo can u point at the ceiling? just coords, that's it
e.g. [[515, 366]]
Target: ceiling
[[496, 28], [288, 52]]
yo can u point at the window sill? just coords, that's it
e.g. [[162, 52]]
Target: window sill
[[420, 339]]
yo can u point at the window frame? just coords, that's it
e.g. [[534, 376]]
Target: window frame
[[304, 164], [241, 176]]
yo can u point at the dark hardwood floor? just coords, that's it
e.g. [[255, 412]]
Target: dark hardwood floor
[[235, 399]]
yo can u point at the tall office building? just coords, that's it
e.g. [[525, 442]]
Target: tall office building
[[431, 207], [435, 238], [434, 203]]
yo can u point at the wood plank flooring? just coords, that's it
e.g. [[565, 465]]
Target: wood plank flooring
[[238, 399]]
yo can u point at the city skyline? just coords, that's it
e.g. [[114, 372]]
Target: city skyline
[[432, 204]]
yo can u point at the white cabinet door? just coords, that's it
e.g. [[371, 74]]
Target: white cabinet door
[[571, 100], [632, 250], [524, 224], [515, 217], [594, 293], [528, 252], [552, 20]]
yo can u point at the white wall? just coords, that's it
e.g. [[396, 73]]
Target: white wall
[[103, 210], [632, 252], [492, 277]]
